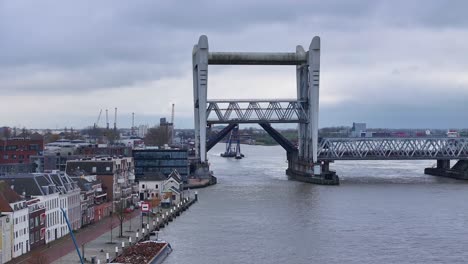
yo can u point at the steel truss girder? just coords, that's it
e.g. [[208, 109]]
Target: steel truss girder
[[256, 111], [392, 148]]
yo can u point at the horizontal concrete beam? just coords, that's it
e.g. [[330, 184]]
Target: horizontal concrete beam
[[256, 58]]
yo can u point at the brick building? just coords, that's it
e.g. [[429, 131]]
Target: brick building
[[37, 225]]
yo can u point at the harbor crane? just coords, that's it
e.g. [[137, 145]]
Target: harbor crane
[[115, 120], [99, 118], [107, 119]]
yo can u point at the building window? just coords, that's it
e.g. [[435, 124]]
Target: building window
[[11, 147], [156, 186], [34, 147], [94, 169], [142, 186], [5, 156]]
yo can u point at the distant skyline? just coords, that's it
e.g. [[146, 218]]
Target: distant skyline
[[395, 64]]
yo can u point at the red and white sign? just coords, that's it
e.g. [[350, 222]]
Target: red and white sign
[[145, 207]]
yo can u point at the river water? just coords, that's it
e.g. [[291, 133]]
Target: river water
[[383, 212]]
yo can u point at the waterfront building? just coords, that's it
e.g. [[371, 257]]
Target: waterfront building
[[151, 161], [15, 207], [37, 225], [6, 236], [115, 174], [55, 190], [91, 196], [172, 190], [151, 186]]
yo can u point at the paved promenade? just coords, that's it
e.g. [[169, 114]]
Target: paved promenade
[[100, 246], [61, 247]]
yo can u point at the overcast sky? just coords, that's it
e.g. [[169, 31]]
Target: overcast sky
[[399, 64]]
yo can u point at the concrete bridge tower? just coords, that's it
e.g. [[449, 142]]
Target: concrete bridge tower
[[304, 109]]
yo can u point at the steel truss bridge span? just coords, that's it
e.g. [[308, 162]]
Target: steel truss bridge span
[[256, 111], [393, 149]]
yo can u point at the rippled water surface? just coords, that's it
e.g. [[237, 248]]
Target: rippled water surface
[[383, 212]]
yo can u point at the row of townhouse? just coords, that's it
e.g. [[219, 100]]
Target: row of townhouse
[[116, 175], [31, 204]]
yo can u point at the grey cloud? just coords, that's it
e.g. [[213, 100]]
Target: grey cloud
[[69, 47]]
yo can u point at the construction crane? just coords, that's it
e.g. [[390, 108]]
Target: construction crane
[[99, 118], [107, 120], [115, 120]]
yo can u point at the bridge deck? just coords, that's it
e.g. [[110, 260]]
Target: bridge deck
[[393, 149]]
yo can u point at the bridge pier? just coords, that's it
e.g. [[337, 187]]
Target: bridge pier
[[305, 171], [458, 171]]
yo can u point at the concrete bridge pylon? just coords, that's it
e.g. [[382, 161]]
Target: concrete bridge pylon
[[303, 161]]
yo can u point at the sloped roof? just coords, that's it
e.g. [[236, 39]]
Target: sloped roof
[[31, 183], [7, 196], [26, 183], [174, 189], [175, 175], [153, 176]]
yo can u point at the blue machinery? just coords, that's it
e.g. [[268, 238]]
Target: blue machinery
[[72, 235]]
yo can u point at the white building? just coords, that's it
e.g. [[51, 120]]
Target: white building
[[53, 216], [20, 228], [172, 190], [151, 186], [55, 190], [6, 229], [16, 211]]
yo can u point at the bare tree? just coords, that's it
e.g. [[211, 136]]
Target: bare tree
[[121, 214], [158, 136], [111, 226]]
